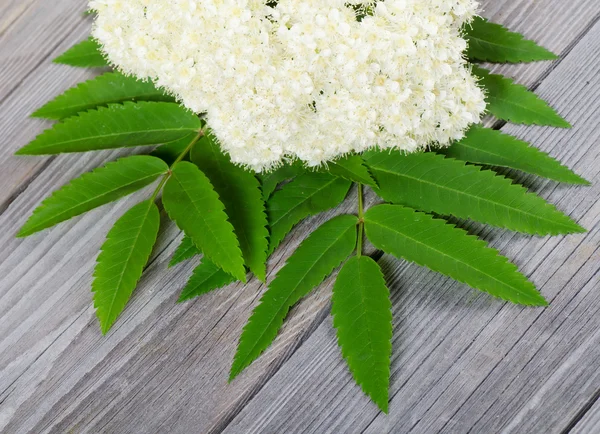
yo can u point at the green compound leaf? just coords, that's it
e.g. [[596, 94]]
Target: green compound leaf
[[193, 204], [93, 189], [116, 126], [307, 195], [310, 264], [420, 238], [490, 42], [240, 192], [486, 146], [514, 103], [362, 315], [270, 180], [186, 250], [353, 169], [109, 88], [432, 183], [206, 278], [86, 54], [122, 260]]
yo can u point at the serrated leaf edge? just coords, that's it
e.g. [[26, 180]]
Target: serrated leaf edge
[[575, 228], [482, 243]]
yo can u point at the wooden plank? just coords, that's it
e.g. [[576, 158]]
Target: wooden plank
[[164, 364], [589, 421], [35, 33], [57, 370], [462, 361]]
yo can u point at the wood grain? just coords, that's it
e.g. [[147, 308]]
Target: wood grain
[[164, 366], [32, 33], [464, 362]]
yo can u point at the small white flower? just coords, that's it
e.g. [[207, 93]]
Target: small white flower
[[313, 79]]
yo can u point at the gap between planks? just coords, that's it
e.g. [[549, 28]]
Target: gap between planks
[[287, 355]]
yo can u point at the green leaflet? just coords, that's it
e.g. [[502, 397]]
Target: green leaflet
[[418, 237], [206, 277], [170, 152], [122, 260], [109, 88], [490, 42], [93, 189], [352, 168], [433, 183], [192, 203], [314, 260], [308, 194], [270, 180], [239, 190], [362, 315], [116, 126], [514, 103], [86, 54], [186, 250], [486, 146]]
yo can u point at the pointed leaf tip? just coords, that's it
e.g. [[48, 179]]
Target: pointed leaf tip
[[492, 147], [93, 189], [420, 238], [206, 278], [513, 102], [86, 54], [194, 205], [311, 263], [432, 183], [491, 42], [186, 250], [122, 260], [362, 316], [240, 192], [103, 90], [116, 126]]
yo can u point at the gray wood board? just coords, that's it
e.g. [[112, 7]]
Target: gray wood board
[[164, 366], [463, 362]]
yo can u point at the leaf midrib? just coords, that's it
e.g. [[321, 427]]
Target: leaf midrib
[[372, 222], [129, 256], [479, 198], [305, 199], [247, 249], [186, 295], [114, 100], [546, 111], [145, 131], [551, 117], [292, 292], [364, 312], [512, 47], [66, 212], [529, 148], [199, 213]]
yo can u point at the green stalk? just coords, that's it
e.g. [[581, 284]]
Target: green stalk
[[361, 221], [178, 160]]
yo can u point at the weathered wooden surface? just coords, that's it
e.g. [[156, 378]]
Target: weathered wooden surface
[[462, 361]]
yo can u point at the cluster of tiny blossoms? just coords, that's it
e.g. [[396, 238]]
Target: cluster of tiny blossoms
[[313, 79]]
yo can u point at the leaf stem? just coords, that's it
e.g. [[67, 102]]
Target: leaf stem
[[188, 148], [361, 221], [178, 160]]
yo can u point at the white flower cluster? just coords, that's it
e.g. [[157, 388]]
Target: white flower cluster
[[313, 79]]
